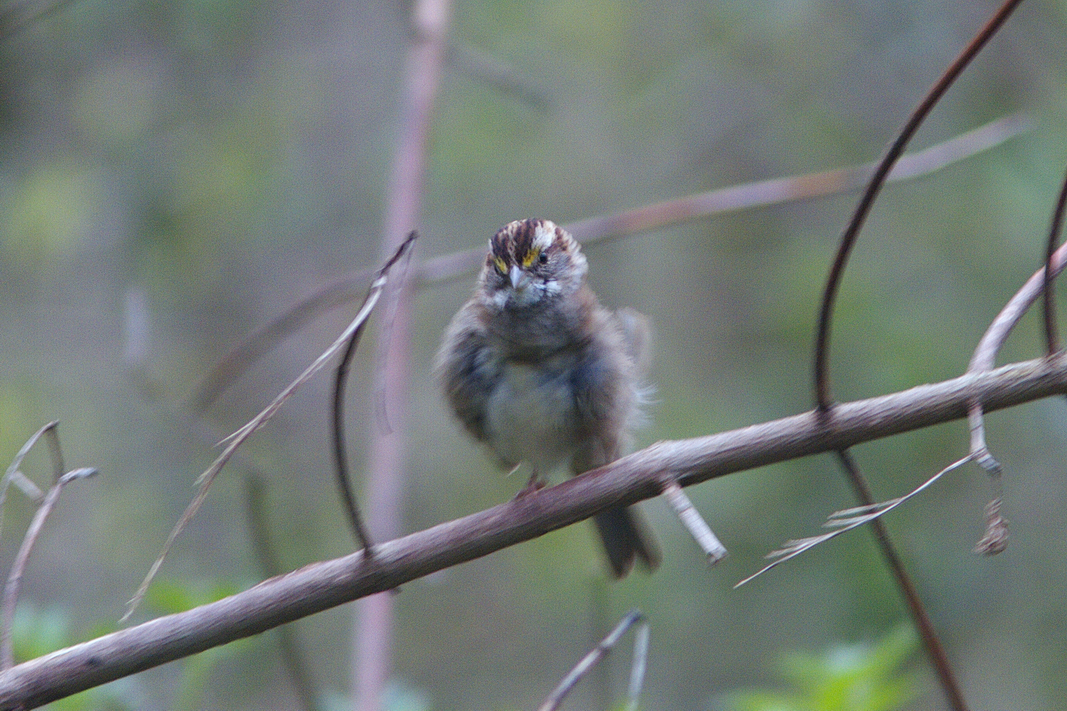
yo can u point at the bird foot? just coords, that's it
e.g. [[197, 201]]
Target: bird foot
[[534, 484]]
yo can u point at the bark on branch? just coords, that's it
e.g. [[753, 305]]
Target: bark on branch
[[642, 475]]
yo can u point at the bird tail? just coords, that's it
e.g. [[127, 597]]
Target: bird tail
[[626, 539]]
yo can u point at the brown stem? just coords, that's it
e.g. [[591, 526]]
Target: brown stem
[[340, 454], [590, 660], [1050, 250], [449, 267], [945, 676], [18, 567], [386, 468], [267, 558], [859, 216]]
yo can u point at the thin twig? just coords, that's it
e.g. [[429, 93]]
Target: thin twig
[[498, 74], [267, 558], [45, 504], [17, 17], [449, 267], [942, 667], [55, 452], [984, 357], [340, 455], [552, 702], [794, 188], [877, 181], [18, 567], [936, 651], [238, 438], [694, 523], [29, 489], [334, 295], [844, 521], [823, 397], [386, 342], [994, 539], [985, 353], [338, 408], [640, 663], [386, 470], [996, 334], [12, 472], [1051, 340]]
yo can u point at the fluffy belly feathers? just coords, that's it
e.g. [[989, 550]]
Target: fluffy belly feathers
[[531, 416]]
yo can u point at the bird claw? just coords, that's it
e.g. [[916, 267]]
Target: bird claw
[[534, 484]]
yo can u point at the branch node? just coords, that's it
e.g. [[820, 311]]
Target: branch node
[[14, 578], [27, 487], [989, 464], [694, 523]]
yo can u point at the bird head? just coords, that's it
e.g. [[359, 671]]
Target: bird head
[[529, 263]]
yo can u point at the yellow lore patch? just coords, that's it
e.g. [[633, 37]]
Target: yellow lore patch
[[531, 257]]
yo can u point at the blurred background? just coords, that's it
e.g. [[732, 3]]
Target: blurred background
[[174, 175]]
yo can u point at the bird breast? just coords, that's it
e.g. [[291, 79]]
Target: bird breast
[[531, 414]]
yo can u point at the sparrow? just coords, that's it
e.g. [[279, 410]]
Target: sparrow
[[536, 369]]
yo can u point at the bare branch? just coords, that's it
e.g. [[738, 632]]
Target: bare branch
[[694, 523], [985, 354], [995, 538], [637, 669], [775, 191], [1050, 249], [982, 360], [844, 521], [593, 658], [262, 545], [823, 396], [26, 486], [12, 474], [55, 452], [18, 567], [946, 677], [859, 217], [386, 474], [626, 481], [335, 294], [238, 438], [45, 504], [449, 267], [498, 74], [338, 422]]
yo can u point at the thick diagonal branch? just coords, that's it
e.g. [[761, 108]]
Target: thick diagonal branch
[[641, 475]]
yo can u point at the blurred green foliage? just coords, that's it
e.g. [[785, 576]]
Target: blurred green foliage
[[38, 631], [175, 174], [845, 678]]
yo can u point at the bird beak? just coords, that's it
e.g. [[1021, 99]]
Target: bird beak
[[516, 276]]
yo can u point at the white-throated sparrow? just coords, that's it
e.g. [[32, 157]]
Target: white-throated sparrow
[[539, 371]]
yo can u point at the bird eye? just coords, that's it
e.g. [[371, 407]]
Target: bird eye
[[542, 257]]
